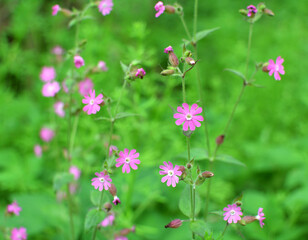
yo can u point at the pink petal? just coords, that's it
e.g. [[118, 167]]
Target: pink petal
[[169, 181], [163, 172], [133, 166], [180, 110], [164, 179], [185, 126], [178, 115], [186, 107], [180, 121], [191, 126]]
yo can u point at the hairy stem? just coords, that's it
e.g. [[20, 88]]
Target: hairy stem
[[100, 208], [248, 48], [185, 27], [195, 19], [70, 207]]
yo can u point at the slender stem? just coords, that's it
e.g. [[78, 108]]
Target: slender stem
[[185, 27], [100, 208], [183, 89], [119, 100], [70, 208], [223, 233], [73, 134], [195, 19], [248, 48]]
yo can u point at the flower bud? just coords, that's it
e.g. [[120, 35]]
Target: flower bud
[[247, 219], [264, 68], [190, 61], [268, 12], [107, 206], [200, 180], [238, 203], [116, 200], [220, 139], [167, 72], [174, 224], [66, 12], [188, 166], [244, 12], [169, 9], [126, 231], [173, 59], [113, 190], [207, 174]]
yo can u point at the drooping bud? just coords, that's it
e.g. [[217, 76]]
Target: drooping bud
[[207, 174], [169, 9], [176, 223], [126, 231], [66, 12], [247, 219], [190, 61], [220, 139], [107, 206], [173, 59], [113, 190], [244, 12], [268, 12], [116, 200], [167, 72]]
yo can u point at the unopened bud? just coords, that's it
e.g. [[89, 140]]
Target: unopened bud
[[265, 68], [268, 12], [174, 224], [169, 9], [207, 174], [188, 166], [261, 6], [190, 61], [247, 219], [220, 139], [198, 169], [167, 72], [113, 190], [126, 231], [173, 59], [244, 12], [66, 12], [238, 203], [107, 206]]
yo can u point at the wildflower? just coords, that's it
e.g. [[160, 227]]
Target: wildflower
[[232, 213], [55, 9], [176, 223], [171, 172], [75, 171], [102, 181], [160, 8], [140, 73], [252, 10], [112, 149], [92, 102], [19, 234], [47, 74], [108, 221], [189, 117], [13, 208], [85, 86], [57, 50], [276, 68], [47, 134], [260, 217], [38, 150], [128, 159], [58, 107], [50, 89], [79, 62], [168, 49], [105, 7], [102, 66], [116, 200], [120, 238]]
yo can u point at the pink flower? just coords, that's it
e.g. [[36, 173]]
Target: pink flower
[[47, 74], [260, 217], [128, 159], [50, 89], [38, 150], [120, 238], [160, 8], [55, 9], [276, 68], [79, 62], [140, 73], [102, 181], [13, 208], [116, 200], [168, 49], [19, 234], [47, 134], [57, 50], [75, 171], [85, 86], [92, 102], [105, 7], [72, 187], [58, 107], [232, 213], [111, 149], [171, 172], [64, 87], [102, 66], [189, 117], [251, 10], [108, 221]]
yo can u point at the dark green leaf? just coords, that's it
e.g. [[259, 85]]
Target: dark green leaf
[[93, 217], [124, 115], [229, 159], [185, 203], [199, 227], [202, 34], [237, 73]]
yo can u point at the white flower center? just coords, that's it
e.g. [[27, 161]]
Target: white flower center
[[91, 102], [232, 212], [170, 173], [276, 67], [127, 160], [188, 116], [102, 180], [258, 217]]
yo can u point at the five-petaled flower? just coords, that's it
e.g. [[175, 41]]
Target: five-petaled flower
[[172, 173], [188, 117], [19, 234], [55, 9], [232, 213], [79, 62], [38, 150], [47, 74], [102, 181], [47, 134], [75, 171], [128, 159], [116, 200], [140, 73], [160, 8], [92, 102], [260, 217], [13, 208], [59, 108], [50, 89], [276, 68], [105, 7], [251, 10], [108, 221]]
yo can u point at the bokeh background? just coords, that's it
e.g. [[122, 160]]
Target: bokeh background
[[268, 133]]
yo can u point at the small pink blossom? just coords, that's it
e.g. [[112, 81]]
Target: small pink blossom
[[105, 7], [172, 173], [116, 200], [128, 159], [79, 62], [85, 86], [64, 87], [140, 73], [108, 221], [38, 150], [251, 10], [168, 49], [47, 134], [75, 171], [57, 50], [92, 102], [276, 68], [59, 109], [47, 74], [260, 217], [50, 89], [19, 234], [102, 66], [120, 238], [13, 208], [232, 213], [102, 181], [111, 149], [160, 8], [55, 9], [189, 117]]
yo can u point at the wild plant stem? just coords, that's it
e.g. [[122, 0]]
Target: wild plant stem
[[100, 208], [69, 198], [195, 20], [183, 89], [185, 27], [248, 48], [73, 133], [119, 100], [223, 233]]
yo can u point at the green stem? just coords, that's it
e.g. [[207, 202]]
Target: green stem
[[100, 208], [69, 198], [185, 27], [248, 48], [73, 134], [183, 90], [119, 100], [195, 19], [223, 233]]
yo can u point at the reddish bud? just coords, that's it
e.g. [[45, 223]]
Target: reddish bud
[[268, 12], [126, 231], [107, 206], [173, 59], [190, 61], [174, 224], [247, 219], [238, 203], [220, 139], [113, 190], [169, 9], [66, 12], [207, 174], [167, 72]]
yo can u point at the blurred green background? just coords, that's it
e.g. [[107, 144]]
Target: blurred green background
[[268, 132]]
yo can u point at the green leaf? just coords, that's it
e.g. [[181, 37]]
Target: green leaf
[[62, 179], [78, 19], [202, 34], [93, 217], [199, 227], [124, 115], [197, 154], [95, 197], [229, 159], [237, 73], [124, 67], [103, 118], [185, 203], [218, 213]]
